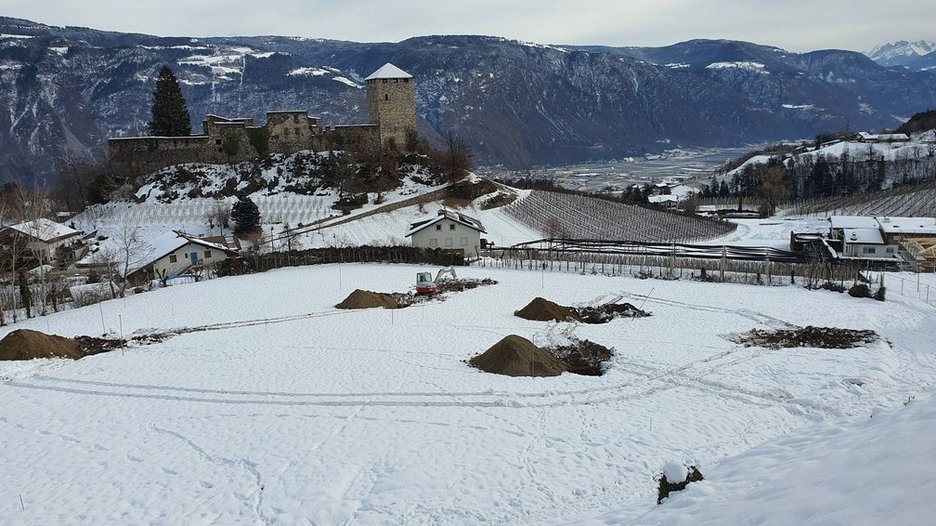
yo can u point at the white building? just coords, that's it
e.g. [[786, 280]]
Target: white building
[[174, 253], [448, 230], [866, 243], [43, 237]]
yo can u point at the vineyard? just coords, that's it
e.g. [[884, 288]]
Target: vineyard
[[562, 215], [905, 201], [289, 209]]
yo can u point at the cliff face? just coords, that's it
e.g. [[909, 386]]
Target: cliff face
[[63, 91]]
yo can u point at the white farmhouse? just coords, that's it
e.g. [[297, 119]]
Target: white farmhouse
[[43, 237], [174, 253], [448, 230]]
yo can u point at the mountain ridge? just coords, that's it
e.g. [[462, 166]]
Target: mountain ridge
[[66, 90]]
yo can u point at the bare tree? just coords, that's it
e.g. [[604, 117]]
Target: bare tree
[[219, 215], [132, 249]]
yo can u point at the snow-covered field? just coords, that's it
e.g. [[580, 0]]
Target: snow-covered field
[[279, 409]]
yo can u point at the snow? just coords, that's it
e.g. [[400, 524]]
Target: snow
[[44, 229], [871, 471], [389, 71], [907, 225], [798, 106], [868, 236], [312, 72], [745, 65], [675, 472], [274, 407], [347, 81]]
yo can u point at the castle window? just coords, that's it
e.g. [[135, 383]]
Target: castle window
[[296, 119], [405, 81], [386, 96], [384, 81], [297, 130], [396, 81], [218, 142], [285, 131]]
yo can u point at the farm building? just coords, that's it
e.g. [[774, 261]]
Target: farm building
[[916, 234], [448, 230], [43, 237], [175, 253]]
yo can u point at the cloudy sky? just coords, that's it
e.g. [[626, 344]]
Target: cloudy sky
[[796, 25]]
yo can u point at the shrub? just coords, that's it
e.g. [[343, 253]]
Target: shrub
[[859, 290]]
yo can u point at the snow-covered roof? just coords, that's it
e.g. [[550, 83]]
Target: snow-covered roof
[[165, 244], [44, 230], [865, 236], [908, 225], [389, 71], [657, 199], [853, 222], [457, 217], [884, 137]]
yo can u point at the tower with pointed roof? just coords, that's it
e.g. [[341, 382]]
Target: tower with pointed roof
[[391, 104]]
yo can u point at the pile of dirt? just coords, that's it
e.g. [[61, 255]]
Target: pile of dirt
[[607, 312], [459, 285], [583, 357], [365, 299], [516, 356], [25, 344], [544, 310], [541, 309], [809, 336]]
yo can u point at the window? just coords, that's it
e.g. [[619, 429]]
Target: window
[[452, 226], [207, 254], [218, 142], [405, 81], [433, 242], [173, 258], [396, 81], [868, 250], [386, 96], [297, 131], [384, 81], [296, 119], [438, 227], [890, 250], [286, 132], [463, 241], [448, 242]]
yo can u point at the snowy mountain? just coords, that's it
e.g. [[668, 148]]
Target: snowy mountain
[[917, 55], [514, 103]]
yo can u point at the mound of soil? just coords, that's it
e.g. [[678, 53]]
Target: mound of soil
[[607, 312], [517, 356], [25, 344], [365, 299], [809, 336], [544, 310], [541, 309], [583, 357], [459, 285]]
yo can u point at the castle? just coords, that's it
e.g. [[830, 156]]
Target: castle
[[391, 112]]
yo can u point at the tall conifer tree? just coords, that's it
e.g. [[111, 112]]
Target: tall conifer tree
[[170, 112]]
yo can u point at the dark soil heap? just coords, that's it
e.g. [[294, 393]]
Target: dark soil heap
[[365, 299], [607, 312], [583, 357], [666, 487], [544, 310], [517, 356], [25, 344], [809, 336], [459, 285]]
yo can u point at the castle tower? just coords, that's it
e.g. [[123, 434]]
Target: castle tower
[[391, 103]]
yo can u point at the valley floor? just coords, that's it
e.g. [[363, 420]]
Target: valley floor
[[272, 407]]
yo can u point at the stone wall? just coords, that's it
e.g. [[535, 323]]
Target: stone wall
[[391, 104]]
